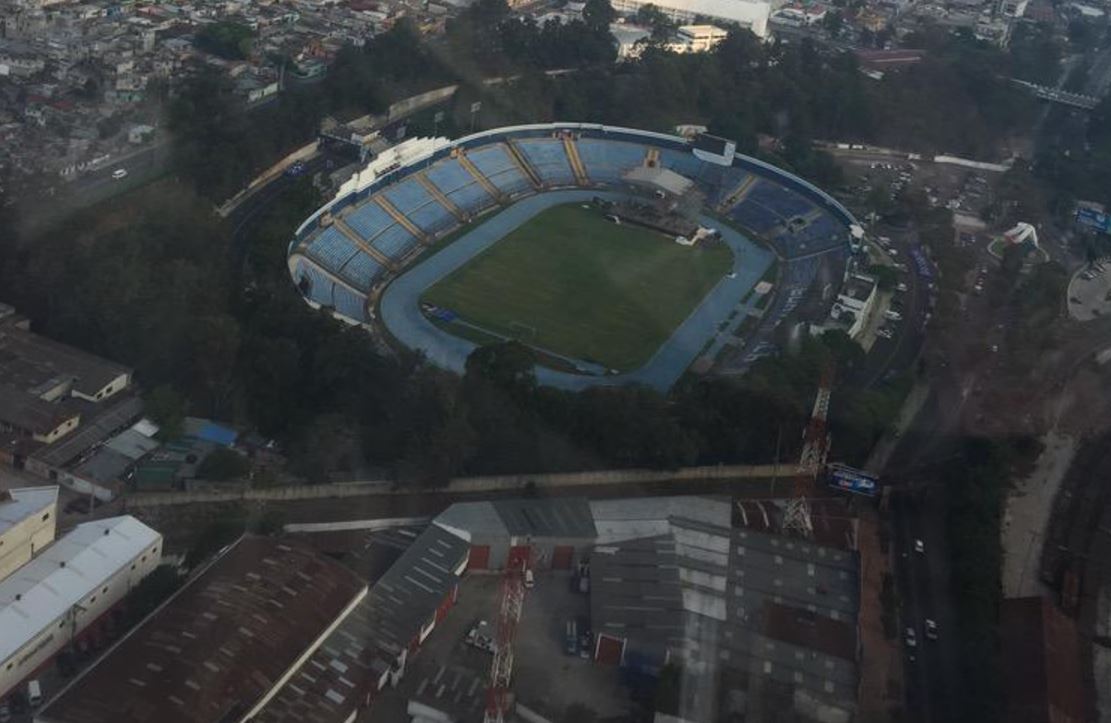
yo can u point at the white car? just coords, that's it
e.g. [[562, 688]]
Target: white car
[[919, 546], [911, 638], [892, 315], [900, 287], [884, 333], [119, 174]]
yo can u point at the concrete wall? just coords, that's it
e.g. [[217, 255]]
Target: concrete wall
[[60, 631], [462, 485], [23, 540]]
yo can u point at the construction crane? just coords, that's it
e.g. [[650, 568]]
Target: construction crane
[[509, 613], [815, 447]]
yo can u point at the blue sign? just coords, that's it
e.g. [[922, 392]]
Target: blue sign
[[921, 262], [855, 481], [1094, 219]]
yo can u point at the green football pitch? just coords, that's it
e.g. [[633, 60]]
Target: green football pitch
[[571, 282]]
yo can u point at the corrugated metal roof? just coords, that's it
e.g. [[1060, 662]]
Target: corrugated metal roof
[[133, 444], [332, 683], [561, 517], [220, 644], [65, 573]]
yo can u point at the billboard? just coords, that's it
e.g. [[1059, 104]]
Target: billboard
[[855, 481], [1094, 219]]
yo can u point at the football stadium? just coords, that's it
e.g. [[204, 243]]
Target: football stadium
[[617, 255]]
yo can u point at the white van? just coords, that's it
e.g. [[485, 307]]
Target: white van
[[34, 693], [119, 174], [530, 580]]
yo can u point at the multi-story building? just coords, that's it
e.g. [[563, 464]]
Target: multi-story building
[[750, 14]]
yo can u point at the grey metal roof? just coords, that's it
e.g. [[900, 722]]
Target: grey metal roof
[[334, 680], [555, 517], [133, 444], [93, 431], [28, 360], [106, 465], [478, 518], [754, 603]]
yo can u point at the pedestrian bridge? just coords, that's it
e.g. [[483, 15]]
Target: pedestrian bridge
[[1056, 95]]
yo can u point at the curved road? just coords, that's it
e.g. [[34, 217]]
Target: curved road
[[400, 306]]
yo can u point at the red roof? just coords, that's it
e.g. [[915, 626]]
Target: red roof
[[810, 630]]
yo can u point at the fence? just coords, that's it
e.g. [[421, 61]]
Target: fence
[[464, 485]]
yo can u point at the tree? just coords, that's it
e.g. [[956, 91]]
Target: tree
[[167, 408], [229, 40], [662, 26], [223, 465], [598, 14]]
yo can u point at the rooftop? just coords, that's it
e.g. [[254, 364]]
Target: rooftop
[[25, 411], [220, 644], [561, 517], [1044, 669], [329, 685], [29, 361], [37, 594], [18, 504], [94, 430]]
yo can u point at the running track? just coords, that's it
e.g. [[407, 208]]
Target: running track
[[400, 307]]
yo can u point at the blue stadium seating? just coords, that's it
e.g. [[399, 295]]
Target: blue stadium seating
[[368, 219], [682, 162], [779, 199], [448, 175], [731, 180], [331, 249], [349, 303], [548, 159], [472, 199], [362, 270], [320, 286], [408, 195], [492, 160], [432, 217], [754, 217], [511, 182], [607, 161], [394, 242]]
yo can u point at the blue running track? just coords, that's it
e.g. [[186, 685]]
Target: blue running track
[[400, 305]]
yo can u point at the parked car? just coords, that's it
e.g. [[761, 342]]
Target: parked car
[[119, 174], [931, 629]]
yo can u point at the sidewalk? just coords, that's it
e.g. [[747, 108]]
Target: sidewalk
[[881, 669]]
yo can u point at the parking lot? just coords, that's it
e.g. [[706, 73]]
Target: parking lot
[[1090, 292], [451, 675]]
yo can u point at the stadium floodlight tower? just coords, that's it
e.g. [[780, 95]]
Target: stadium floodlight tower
[[815, 447]]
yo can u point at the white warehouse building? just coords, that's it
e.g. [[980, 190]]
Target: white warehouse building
[[27, 523], [49, 601], [750, 14]]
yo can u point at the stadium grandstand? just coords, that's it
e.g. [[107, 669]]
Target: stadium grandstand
[[413, 195]]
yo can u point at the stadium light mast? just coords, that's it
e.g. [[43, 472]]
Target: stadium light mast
[[815, 447]]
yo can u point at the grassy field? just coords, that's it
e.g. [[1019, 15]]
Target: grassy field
[[573, 283]]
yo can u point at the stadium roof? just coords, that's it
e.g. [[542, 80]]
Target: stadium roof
[[661, 178], [20, 503], [47, 587], [220, 644], [331, 684]]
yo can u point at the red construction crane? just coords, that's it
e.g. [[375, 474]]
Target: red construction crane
[[815, 447], [509, 612]]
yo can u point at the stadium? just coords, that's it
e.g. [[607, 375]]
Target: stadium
[[618, 255]]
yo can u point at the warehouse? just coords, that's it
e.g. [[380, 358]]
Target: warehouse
[[66, 588], [222, 645], [372, 646], [556, 533]]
